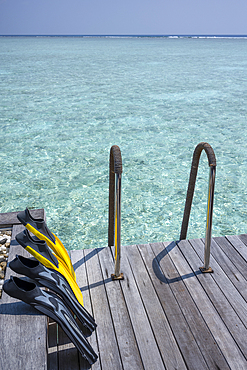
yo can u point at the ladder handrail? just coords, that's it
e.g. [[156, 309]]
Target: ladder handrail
[[114, 224], [190, 192]]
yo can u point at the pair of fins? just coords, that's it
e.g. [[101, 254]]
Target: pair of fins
[[39, 228], [39, 245], [53, 271], [51, 305]]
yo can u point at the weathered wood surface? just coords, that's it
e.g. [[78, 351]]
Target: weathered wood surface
[[178, 277], [23, 330], [164, 338], [222, 336], [177, 321], [166, 314], [10, 219]]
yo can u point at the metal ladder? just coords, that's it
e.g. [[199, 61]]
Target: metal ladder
[[190, 192], [114, 225]]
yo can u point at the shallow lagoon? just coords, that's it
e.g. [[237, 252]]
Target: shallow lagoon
[[65, 101]]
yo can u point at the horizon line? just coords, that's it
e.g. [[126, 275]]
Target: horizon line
[[124, 35]]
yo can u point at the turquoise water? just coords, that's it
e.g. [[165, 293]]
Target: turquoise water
[[65, 101]]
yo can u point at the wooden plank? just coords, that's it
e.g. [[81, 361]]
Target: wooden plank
[[163, 334], [234, 266], [239, 246], [172, 266], [146, 342], [68, 356], [22, 327], [78, 260], [214, 322], [239, 262], [10, 219], [217, 297], [108, 350], [52, 351], [180, 328], [124, 332], [228, 282], [243, 238]]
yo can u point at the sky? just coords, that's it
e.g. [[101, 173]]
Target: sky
[[123, 17]]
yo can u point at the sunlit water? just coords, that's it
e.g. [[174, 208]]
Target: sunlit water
[[65, 101]]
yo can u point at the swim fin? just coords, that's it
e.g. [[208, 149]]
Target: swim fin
[[39, 228], [51, 305], [45, 277], [40, 250]]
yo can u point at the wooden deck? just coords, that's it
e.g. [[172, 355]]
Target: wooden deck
[[165, 314]]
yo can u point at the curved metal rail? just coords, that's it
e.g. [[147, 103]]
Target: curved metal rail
[[114, 228], [190, 192]]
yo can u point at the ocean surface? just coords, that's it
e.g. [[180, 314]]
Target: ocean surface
[[64, 101]]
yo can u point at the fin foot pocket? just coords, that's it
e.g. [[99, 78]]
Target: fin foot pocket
[[56, 282], [39, 228]]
